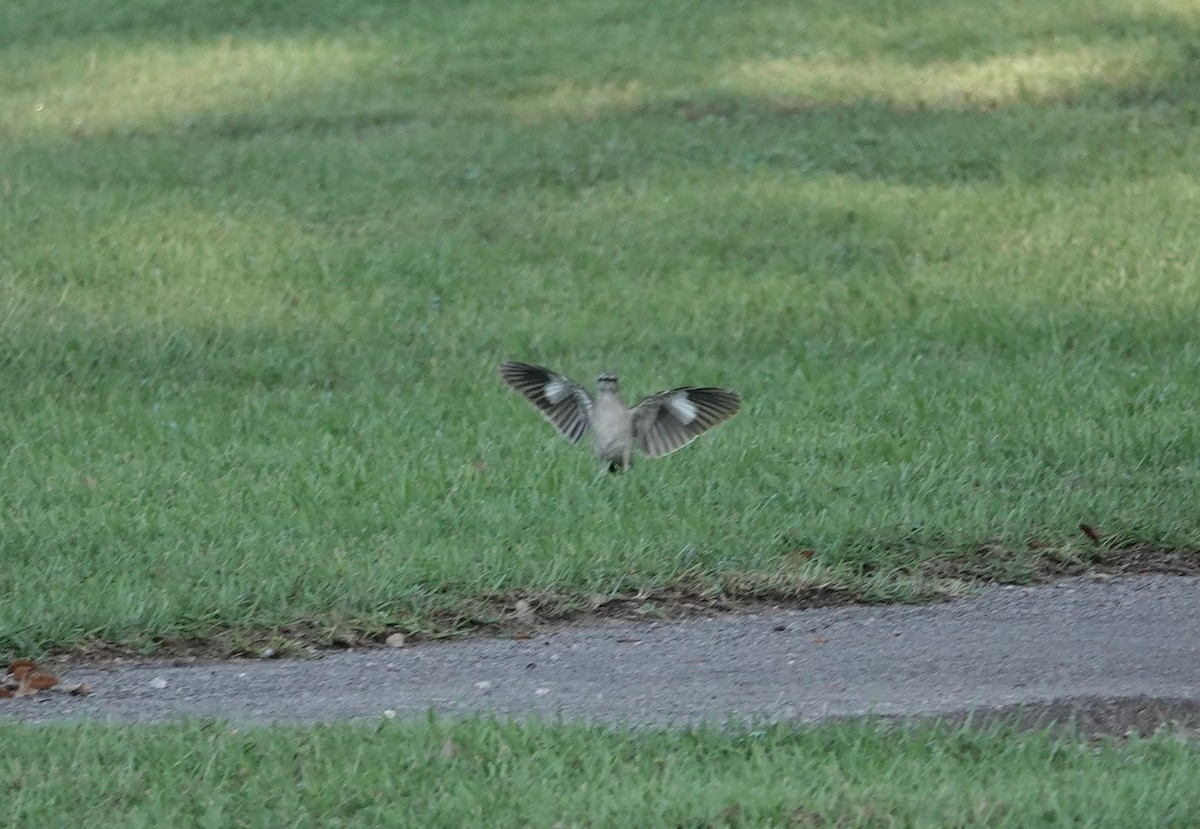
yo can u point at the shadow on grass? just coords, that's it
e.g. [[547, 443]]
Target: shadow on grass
[[925, 31], [146, 20], [699, 125], [868, 141]]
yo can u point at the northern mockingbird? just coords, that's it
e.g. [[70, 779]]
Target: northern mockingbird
[[658, 424]]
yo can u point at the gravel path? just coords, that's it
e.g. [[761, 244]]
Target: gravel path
[[1129, 647]]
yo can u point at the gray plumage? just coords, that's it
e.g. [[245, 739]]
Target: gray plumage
[[657, 425]]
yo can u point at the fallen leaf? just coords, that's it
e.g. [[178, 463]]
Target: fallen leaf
[[19, 667], [449, 749], [396, 640], [523, 610], [1090, 532], [23, 690], [27, 679], [90, 482], [41, 680], [81, 690], [819, 640]]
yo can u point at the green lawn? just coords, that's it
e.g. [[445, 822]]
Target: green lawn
[[258, 263], [487, 773]]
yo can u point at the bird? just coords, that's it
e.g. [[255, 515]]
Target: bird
[[658, 424]]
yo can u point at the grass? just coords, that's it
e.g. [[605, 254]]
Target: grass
[[435, 773], [257, 266]]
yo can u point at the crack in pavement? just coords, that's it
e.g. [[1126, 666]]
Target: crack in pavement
[[1122, 645]]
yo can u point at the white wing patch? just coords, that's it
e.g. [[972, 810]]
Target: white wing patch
[[558, 398], [665, 421], [556, 390], [682, 408]]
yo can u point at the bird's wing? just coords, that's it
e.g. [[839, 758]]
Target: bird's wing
[[563, 401], [666, 421]]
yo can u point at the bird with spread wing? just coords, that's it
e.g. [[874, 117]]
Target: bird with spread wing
[[657, 425]]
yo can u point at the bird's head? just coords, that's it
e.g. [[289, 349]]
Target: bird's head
[[606, 382]]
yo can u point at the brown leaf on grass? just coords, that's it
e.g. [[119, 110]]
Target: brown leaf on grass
[[24, 680], [41, 680], [19, 667], [32, 680], [1090, 532], [799, 556]]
